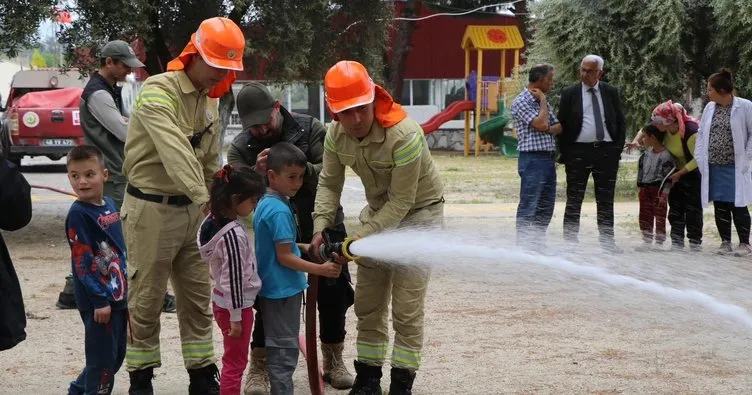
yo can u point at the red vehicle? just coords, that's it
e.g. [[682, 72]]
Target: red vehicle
[[41, 117]]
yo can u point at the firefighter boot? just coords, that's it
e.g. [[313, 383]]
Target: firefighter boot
[[204, 381], [141, 382], [402, 382], [367, 379], [256, 379], [335, 372], [66, 299]]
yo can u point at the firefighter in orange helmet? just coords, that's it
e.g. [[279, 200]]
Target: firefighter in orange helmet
[[374, 136], [171, 155]]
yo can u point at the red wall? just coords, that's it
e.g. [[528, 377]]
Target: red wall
[[437, 51]]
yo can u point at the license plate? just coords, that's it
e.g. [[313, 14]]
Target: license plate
[[63, 142]]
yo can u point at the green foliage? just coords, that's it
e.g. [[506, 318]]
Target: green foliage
[[19, 20], [733, 40], [654, 50]]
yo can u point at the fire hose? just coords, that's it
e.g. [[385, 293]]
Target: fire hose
[[335, 241], [55, 190]]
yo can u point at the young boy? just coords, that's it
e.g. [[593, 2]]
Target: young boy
[[97, 247], [654, 167], [280, 266]]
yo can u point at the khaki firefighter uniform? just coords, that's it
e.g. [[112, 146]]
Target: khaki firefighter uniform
[[171, 155], [402, 188]]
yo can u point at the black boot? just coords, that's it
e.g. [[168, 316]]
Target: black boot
[[141, 382], [204, 381], [402, 382], [66, 299], [367, 380]]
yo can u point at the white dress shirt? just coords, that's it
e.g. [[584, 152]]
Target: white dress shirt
[[587, 133]]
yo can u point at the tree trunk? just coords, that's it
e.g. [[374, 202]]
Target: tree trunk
[[157, 53], [401, 49]]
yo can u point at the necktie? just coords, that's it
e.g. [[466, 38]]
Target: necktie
[[599, 134]]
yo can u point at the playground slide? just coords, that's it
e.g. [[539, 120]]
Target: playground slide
[[447, 115]]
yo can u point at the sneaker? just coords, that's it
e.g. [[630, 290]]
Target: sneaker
[[169, 306], [693, 247], [725, 248], [743, 250], [612, 248]]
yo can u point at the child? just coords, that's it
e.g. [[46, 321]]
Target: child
[[654, 167], [224, 245], [280, 266], [98, 251]]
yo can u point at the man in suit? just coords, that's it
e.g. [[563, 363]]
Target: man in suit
[[592, 138]]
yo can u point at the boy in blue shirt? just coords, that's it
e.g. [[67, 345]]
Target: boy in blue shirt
[[280, 265], [97, 247]]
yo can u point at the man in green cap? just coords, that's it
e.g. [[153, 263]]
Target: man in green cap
[[105, 127], [265, 122]]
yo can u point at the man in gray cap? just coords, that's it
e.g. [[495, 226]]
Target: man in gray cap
[[105, 127], [265, 122]]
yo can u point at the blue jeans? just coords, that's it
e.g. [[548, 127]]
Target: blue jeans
[[537, 172], [105, 350]]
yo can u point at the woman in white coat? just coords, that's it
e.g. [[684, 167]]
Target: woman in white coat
[[724, 153]]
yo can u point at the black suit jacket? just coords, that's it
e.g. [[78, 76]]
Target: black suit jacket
[[570, 116]]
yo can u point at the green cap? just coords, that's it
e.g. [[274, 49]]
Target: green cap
[[255, 105], [120, 50]]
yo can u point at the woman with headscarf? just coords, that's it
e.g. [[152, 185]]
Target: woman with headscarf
[[724, 152], [685, 208]]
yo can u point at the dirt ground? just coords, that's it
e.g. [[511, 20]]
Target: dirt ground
[[492, 327]]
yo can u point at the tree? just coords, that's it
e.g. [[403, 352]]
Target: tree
[[644, 58], [654, 50], [287, 40], [19, 20]]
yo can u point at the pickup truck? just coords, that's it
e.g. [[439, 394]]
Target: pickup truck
[[41, 117]]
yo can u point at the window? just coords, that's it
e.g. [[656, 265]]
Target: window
[[421, 92]]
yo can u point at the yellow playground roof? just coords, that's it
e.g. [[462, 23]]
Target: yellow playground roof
[[489, 37]]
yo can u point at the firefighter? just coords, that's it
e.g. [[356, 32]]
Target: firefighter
[[171, 155], [374, 136], [266, 122]]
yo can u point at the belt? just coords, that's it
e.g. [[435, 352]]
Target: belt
[[597, 144], [174, 200]]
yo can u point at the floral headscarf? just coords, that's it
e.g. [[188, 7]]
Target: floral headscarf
[[668, 113]]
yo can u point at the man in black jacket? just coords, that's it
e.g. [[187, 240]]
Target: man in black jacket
[[592, 138], [15, 213], [265, 123]]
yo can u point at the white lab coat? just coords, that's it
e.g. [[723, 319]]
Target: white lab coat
[[741, 131]]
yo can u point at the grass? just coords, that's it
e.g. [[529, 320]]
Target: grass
[[493, 178]]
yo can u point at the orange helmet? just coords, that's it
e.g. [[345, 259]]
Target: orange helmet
[[348, 85], [220, 43]]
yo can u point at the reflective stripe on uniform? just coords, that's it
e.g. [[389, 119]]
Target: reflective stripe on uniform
[[410, 151], [155, 96], [197, 350], [329, 143], [142, 356], [371, 351], [405, 358]]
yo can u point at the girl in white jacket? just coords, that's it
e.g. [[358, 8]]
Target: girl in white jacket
[[224, 245], [724, 153]]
